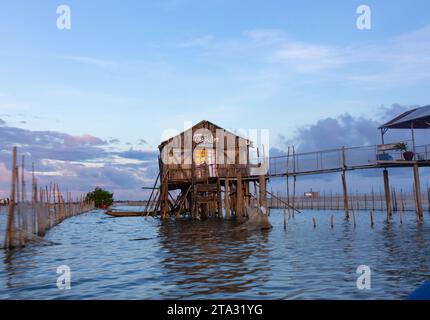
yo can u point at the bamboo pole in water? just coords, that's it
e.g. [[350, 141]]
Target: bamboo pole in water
[[240, 202], [285, 216], [353, 218], [294, 179], [18, 193], [419, 208], [428, 197], [365, 202], [344, 185], [402, 207], [23, 191], [227, 198], [387, 194], [287, 178], [11, 219]]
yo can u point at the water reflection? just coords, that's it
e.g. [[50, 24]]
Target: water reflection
[[136, 258], [210, 257]]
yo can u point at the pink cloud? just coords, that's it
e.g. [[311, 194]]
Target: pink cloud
[[5, 174], [85, 139]]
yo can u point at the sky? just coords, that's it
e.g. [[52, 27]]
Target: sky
[[91, 104]]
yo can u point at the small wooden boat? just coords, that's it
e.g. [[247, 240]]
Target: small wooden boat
[[125, 213]]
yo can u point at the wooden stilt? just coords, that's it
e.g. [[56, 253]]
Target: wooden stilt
[[23, 191], [344, 185], [285, 216], [227, 198], [9, 238], [345, 196], [293, 204], [402, 208], [353, 219], [219, 200], [387, 194], [240, 202], [417, 184], [428, 198], [263, 193]]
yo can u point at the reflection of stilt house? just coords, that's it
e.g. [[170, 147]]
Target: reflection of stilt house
[[205, 171]]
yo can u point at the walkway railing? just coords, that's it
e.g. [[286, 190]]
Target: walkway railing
[[334, 160]]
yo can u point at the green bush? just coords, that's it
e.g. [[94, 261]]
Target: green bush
[[401, 146], [100, 197]]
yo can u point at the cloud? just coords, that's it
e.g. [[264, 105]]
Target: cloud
[[393, 61], [142, 142], [264, 35], [202, 41], [85, 140], [2, 122], [349, 131], [101, 63], [309, 57], [78, 163]]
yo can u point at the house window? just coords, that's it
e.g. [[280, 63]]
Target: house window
[[204, 156]]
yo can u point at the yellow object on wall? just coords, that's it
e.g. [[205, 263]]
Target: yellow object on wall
[[200, 156]]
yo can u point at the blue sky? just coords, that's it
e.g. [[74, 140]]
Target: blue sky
[[128, 70]]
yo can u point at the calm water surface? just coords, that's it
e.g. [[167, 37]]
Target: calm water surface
[[138, 258]]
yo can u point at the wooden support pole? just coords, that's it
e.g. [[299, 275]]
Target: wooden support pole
[[417, 184], [293, 204], [402, 208], [387, 194], [34, 185], [345, 196], [219, 200], [263, 193], [353, 218], [164, 196], [23, 191], [18, 193], [239, 198], [428, 197], [9, 237], [227, 198], [287, 178], [247, 194], [285, 216]]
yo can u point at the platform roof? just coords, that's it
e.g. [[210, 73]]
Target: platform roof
[[418, 118]]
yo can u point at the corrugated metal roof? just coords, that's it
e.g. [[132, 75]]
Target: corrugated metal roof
[[418, 118]]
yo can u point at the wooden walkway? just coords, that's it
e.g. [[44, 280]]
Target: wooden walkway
[[350, 159], [341, 160]]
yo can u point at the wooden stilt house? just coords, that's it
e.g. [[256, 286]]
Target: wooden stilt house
[[205, 172]]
